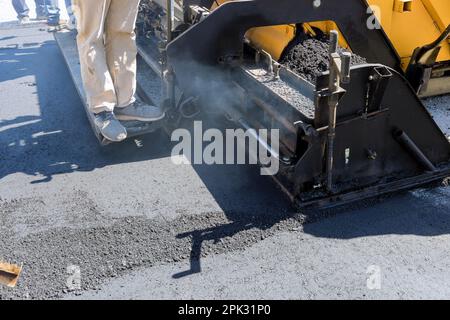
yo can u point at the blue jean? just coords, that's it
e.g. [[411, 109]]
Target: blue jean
[[40, 8], [48, 8], [21, 8], [51, 10], [70, 10]]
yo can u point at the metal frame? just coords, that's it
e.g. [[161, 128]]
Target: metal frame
[[219, 38]]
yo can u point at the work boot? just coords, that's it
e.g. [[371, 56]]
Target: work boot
[[24, 19], [110, 127], [55, 28], [139, 111]]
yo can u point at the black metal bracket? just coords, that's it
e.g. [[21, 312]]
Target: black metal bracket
[[377, 86], [422, 61]]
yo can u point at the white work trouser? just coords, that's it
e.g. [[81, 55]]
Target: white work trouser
[[107, 48]]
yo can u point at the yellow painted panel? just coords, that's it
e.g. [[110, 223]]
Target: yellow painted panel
[[272, 39], [422, 23], [439, 11]]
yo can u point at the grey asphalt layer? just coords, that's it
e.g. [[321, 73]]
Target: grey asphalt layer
[[125, 222]]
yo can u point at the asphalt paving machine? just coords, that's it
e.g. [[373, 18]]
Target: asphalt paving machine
[[356, 130]]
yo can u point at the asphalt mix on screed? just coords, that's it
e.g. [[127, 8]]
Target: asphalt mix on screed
[[309, 57]]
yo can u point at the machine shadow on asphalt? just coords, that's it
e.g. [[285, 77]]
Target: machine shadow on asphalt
[[58, 140]]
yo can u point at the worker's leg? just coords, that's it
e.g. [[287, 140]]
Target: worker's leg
[[98, 84], [72, 20], [40, 10], [52, 12], [21, 8], [121, 55], [121, 48]]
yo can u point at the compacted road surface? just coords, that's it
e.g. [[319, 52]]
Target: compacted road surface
[[124, 221]]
